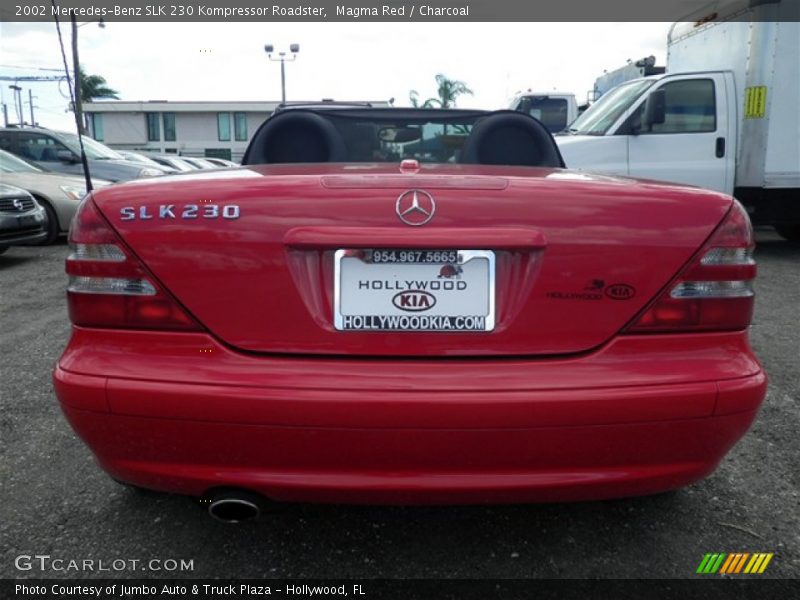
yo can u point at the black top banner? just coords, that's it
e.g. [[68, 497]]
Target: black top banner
[[400, 10]]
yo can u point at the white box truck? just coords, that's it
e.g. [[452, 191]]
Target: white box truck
[[725, 115], [633, 70]]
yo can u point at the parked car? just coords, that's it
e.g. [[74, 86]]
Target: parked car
[[220, 162], [58, 194], [200, 163], [22, 219], [60, 151], [141, 158], [174, 162], [343, 321]]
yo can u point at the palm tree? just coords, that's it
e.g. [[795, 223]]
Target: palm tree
[[94, 86], [413, 96], [447, 89], [91, 87]]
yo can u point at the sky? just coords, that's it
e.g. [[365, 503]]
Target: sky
[[343, 61]]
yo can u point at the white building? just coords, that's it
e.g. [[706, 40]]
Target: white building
[[217, 129]]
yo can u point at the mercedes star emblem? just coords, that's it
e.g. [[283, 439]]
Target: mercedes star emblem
[[415, 207]]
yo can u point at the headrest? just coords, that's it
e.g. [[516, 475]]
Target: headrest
[[295, 136], [511, 138]]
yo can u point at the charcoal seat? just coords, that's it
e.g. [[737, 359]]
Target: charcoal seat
[[511, 138], [295, 136]]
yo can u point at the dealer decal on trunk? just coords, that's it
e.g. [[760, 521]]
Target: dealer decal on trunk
[[596, 289]]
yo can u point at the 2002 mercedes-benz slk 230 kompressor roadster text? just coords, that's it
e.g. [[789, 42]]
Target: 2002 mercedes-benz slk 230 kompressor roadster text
[[409, 306]]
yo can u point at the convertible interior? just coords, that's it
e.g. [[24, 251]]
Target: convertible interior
[[336, 135]]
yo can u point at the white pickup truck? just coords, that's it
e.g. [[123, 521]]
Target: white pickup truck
[[725, 115]]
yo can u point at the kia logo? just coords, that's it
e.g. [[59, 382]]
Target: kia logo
[[414, 300], [620, 291]]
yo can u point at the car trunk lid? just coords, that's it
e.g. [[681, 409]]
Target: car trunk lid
[[252, 253]]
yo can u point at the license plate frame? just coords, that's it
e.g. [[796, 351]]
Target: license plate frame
[[472, 267]]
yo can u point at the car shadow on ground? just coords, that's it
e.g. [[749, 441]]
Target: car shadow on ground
[[20, 255], [770, 243], [777, 248], [9, 261], [520, 540]]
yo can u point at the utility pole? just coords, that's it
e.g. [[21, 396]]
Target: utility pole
[[21, 109], [5, 114], [76, 76], [30, 103], [17, 102]]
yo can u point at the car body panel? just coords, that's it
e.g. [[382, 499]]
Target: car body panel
[[612, 231], [184, 413]]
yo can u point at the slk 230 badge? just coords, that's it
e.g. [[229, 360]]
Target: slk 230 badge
[[184, 211]]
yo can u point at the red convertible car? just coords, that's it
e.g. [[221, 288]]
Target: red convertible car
[[408, 306]]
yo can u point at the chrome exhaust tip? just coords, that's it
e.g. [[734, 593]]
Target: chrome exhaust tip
[[236, 506]]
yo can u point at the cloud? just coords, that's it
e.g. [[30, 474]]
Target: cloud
[[344, 61]]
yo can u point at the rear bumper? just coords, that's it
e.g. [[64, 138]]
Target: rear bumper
[[185, 414]]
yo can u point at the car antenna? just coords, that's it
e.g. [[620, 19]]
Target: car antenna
[[84, 162]]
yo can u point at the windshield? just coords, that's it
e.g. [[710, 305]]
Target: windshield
[[12, 164], [383, 137], [94, 150], [601, 115], [552, 112]]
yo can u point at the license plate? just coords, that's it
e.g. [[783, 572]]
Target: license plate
[[414, 290]]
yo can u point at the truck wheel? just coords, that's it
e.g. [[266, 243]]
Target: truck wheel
[[789, 232]]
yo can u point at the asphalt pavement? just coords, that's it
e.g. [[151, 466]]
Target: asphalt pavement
[[55, 501]]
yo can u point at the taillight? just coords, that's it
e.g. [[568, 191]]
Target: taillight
[[109, 287], [715, 291]]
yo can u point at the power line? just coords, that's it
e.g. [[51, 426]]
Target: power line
[[32, 78], [30, 68]]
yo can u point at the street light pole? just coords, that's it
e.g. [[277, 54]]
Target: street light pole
[[283, 80], [294, 49]]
